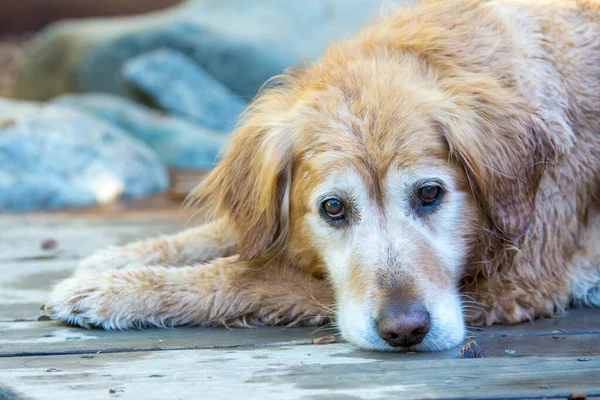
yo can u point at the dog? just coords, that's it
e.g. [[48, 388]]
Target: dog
[[441, 168]]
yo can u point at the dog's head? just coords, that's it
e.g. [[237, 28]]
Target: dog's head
[[383, 172]]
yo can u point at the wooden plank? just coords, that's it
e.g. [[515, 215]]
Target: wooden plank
[[27, 272], [580, 320], [44, 338], [77, 236], [312, 372], [48, 338], [24, 286], [8, 394], [569, 346]]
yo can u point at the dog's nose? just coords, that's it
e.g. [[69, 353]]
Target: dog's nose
[[403, 326]]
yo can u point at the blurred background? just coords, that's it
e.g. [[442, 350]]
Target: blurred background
[[105, 101]]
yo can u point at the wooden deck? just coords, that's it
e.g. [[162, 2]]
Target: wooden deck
[[42, 359]]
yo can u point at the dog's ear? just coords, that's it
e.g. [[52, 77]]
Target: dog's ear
[[250, 186], [504, 157]]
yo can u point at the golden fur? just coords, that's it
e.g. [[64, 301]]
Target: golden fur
[[501, 100]]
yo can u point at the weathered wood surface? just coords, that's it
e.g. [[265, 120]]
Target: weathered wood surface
[[581, 320], [27, 271], [312, 372], [51, 337], [47, 360]]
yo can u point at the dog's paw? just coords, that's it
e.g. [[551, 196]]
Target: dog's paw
[[86, 301]]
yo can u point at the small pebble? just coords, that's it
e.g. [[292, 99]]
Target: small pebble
[[558, 336], [87, 356], [578, 396], [545, 387], [52, 370], [7, 123], [584, 359], [510, 351], [44, 318], [472, 350], [49, 244]]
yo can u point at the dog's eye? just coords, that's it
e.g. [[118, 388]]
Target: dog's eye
[[334, 209], [429, 194]]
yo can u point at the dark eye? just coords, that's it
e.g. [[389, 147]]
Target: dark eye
[[334, 209], [429, 194]]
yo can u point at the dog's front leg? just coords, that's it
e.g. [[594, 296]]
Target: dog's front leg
[[226, 291], [196, 245]]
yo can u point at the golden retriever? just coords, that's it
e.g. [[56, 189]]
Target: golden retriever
[[443, 165]]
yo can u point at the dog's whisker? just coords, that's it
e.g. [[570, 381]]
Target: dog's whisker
[[469, 302], [324, 328], [468, 296], [463, 301], [474, 303], [331, 310], [470, 293], [473, 308]]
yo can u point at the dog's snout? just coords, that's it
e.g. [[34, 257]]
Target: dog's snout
[[403, 325]]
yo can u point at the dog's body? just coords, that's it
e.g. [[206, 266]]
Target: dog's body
[[443, 164]]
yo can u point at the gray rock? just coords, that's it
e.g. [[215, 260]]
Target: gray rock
[[177, 142], [176, 84], [52, 156]]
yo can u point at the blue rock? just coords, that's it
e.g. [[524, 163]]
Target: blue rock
[[177, 142], [239, 63], [52, 156], [179, 86], [240, 43]]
